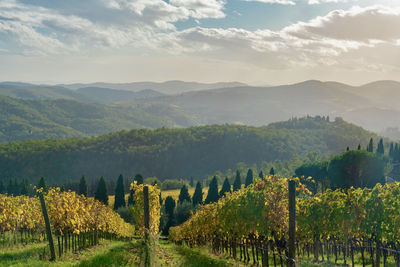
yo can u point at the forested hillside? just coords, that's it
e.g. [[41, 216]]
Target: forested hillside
[[22, 119], [175, 153]]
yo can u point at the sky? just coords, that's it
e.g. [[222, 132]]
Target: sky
[[260, 42]]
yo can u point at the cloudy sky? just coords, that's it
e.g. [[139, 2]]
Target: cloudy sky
[[253, 41]]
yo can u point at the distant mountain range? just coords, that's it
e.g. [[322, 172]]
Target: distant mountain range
[[180, 104], [169, 87]]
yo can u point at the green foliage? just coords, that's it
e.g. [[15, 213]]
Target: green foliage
[[171, 184], [381, 147], [24, 188], [237, 184], [119, 193], [318, 171], [126, 214], [370, 146], [83, 187], [101, 192], [249, 178], [183, 212], [138, 178], [42, 184], [195, 151], [170, 206], [184, 195], [261, 174], [212, 195], [152, 181], [226, 188], [198, 195], [131, 201], [357, 168]]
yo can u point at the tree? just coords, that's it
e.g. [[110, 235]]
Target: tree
[[101, 192], [23, 188], [2, 188], [184, 195], [212, 195], [359, 147], [261, 175], [272, 171], [62, 189], [358, 169], [170, 206], [249, 178], [119, 193], [83, 187], [226, 188], [131, 201], [237, 184], [198, 195], [317, 170], [381, 147], [370, 147], [391, 150], [42, 184], [348, 148], [139, 178], [183, 212]]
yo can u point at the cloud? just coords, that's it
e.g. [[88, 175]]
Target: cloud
[[282, 2], [313, 2]]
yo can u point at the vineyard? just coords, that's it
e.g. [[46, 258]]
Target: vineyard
[[251, 224], [76, 221]]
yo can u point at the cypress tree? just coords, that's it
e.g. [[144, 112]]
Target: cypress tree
[[391, 150], [370, 147], [359, 147], [184, 195], [2, 188], [226, 188], [261, 175], [170, 206], [396, 152], [119, 193], [381, 147], [249, 178], [348, 149], [212, 195], [24, 190], [83, 187], [272, 171], [101, 192], [198, 195], [237, 184], [42, 184], [139, 178], [131, 202]]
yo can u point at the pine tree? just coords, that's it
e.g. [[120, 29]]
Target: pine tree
[[139, 178], [24, 189], [226, 188], [212, 195], [237, 184], [198, 195], [370, 147], [272, 171], [101, 192], [83, 187], [119, 193], [381, 147], [249, 178], [359, 147], [184, 195], [261, 175], [42, 184]]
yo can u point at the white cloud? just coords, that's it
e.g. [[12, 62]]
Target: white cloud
[[313, 2], [282, 2]]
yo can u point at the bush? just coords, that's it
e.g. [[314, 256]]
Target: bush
[[126, 214], [171, 184]]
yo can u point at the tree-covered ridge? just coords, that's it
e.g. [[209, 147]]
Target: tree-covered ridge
[[22, 119], [172, 153]]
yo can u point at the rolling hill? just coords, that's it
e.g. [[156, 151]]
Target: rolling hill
[[176, 153], [22, 119]]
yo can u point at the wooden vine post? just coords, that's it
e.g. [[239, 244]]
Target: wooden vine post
[[146, 218], [48, 229], [292, 224]]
